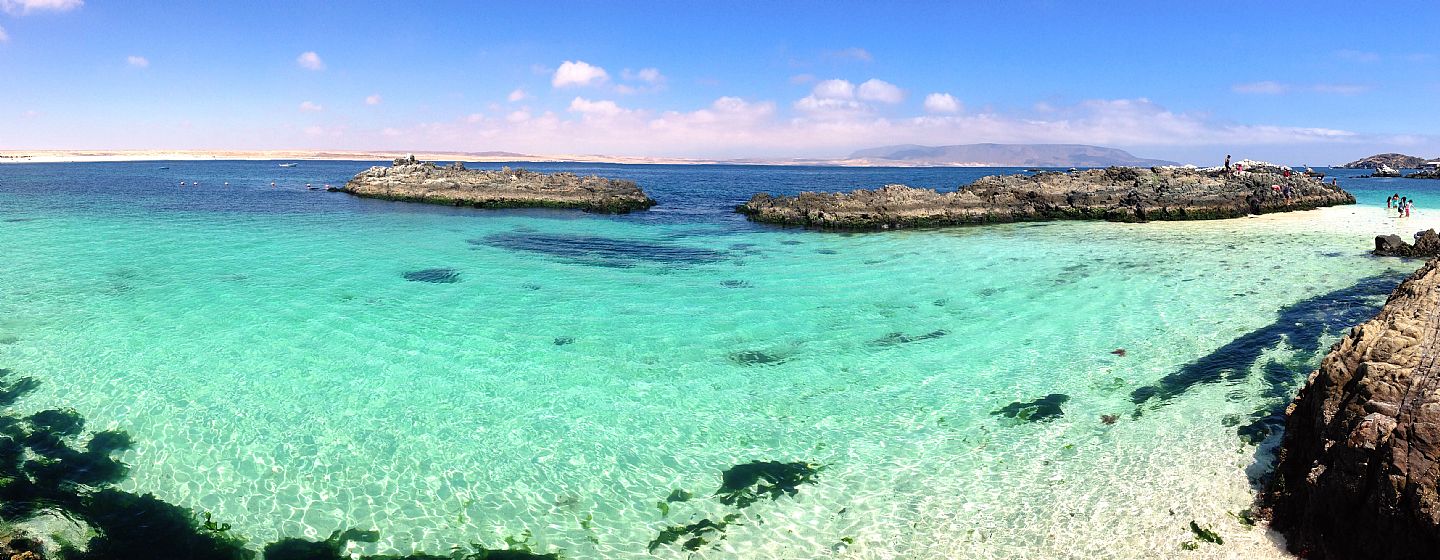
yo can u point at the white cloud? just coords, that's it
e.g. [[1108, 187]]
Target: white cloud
[[799, 79], [578, 73], [736, 127], [4, 37], [373, 99], [21, 7], [137, 61], [310, 61], [834, 89], [942, 103], [597, 109], [880, 90], [473, 118], [832, 97], [308, 107], [517, 95]]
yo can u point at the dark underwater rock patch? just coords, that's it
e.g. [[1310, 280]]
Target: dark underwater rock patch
[[757, 358], [564, 340], [434, 275], [601, 251], [1300, 325], [1039, 410], [895, 338], [734, 283], [742, 485]]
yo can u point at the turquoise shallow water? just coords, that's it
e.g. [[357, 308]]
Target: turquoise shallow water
[[277, 368]]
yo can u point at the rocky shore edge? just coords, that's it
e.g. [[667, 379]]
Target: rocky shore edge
[[1119, 194], [410, 180], [1360, 459]]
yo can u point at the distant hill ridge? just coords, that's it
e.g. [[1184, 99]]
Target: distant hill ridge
[[1397, 161], [1018, 155]]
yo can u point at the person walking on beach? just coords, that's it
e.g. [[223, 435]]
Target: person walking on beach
[[1408, 207], [1390, 201]]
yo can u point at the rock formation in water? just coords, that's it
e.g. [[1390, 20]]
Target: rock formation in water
[[1427, 245], [414, 181], [1358, 466], [1121, 194], [1432, 173], [1398, 161], [1385, 171]]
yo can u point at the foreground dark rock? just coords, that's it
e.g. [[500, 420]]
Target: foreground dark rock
[[1360, 459], [1120, 194], [1427, 245], [414, 181]]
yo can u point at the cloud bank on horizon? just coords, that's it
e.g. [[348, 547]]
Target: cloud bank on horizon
[[700, 90]]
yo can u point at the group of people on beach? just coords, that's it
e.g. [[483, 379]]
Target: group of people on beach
[[1403, 206]]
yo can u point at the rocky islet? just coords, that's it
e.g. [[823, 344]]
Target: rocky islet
[[1119, 194], [410, 180]]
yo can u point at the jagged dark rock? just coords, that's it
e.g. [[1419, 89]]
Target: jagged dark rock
[[414, 181], [1121, 194], [1433, 173], [1360, 459], [1385, 171], [1427, 245]]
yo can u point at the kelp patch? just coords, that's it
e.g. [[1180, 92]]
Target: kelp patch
[[696, 534], [434, 275], [1039, 410], [742, 485], [43, 468]]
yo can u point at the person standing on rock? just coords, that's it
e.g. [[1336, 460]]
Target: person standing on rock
[[1227, 162]]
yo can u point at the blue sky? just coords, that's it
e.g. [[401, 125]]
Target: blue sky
[[1300, 82]]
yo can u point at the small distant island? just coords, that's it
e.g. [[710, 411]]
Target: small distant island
[[1120, 194], [410, 180], [1392, 160]]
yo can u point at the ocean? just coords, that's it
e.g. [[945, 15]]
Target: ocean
[[295, 362]]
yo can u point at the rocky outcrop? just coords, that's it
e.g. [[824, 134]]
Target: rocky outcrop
[[1360, 459], [414, 181], [1122, 194], [1398, 161], [1425, 174], [1385, 171], [1427, 245]]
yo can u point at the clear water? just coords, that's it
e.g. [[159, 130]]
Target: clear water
[[277, 368]]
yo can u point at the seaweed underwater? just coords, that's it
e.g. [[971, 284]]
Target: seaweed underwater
[[45, 472]]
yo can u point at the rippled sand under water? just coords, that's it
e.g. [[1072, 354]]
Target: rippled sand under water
[[449, 378]]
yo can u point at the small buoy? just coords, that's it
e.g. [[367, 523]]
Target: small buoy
[[182, 183], [272, 183], [227, 183]]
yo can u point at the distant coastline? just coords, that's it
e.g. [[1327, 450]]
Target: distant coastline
[[84, 156]]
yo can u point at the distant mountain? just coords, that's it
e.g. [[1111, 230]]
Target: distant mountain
[[1009, 155], [1397, 161]]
